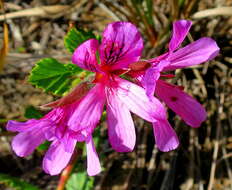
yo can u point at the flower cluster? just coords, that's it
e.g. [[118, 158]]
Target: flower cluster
[[75, 116]]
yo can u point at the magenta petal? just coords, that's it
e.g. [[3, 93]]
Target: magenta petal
[[121, 129], [180, 31], [165, 137], [136, 100], [121, 45], [67, 141], [159, 58], [56, 158], [31, 124], [24, 143], [85, 55], [151, 76], [149, 80], [93, 163], [89, 111], [31, 134], [181, 103], [200, 51]]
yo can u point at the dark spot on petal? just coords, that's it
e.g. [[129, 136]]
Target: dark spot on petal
[[174, 99]]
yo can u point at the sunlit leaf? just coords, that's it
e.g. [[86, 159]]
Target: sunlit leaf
[[75, 37], [53, 76], [79, 180]]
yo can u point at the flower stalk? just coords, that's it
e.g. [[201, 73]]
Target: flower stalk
[[67, 171]]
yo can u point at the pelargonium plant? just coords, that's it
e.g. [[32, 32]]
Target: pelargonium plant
[[74, 117]]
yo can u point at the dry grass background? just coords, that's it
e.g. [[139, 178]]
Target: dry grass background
[[203, 160]]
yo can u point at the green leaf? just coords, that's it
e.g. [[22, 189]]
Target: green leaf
[[16, 183], [181, 3], [44, 146], [75, 37], [80, 180], [3, 120], [137, 2], [149, 12], [53, 76], [31, 112]]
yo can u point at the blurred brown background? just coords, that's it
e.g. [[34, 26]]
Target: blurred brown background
[[203, 160]]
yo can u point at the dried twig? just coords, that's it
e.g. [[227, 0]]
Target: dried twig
[[43, 11], [53, 11], [225, 157], [5, 47], [152, 167], [169, 176], [109, 160], [4, 50], [218, 131], [219, 11], [108, 11]]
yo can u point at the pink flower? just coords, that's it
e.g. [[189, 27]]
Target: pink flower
[[53, 127], [200, 51], [75, 116], [121, 45]]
